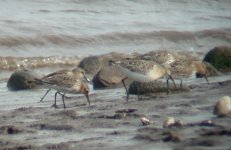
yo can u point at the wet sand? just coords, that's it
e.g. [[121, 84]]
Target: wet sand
[[112, 123]]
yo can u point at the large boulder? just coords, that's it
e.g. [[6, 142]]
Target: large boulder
[[154, 87], [220, 58], [108, 77], [23, 79], [93, 64]]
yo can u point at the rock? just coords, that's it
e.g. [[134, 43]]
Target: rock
[[172, 122], [223, 107], [107, 77], [145, 121], [169, 122], [23, 79], [93, 64], [220, 58], [153, 87]]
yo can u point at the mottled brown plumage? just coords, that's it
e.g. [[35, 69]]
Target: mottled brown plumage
[[188, 69], [66, 81], [142, 71]]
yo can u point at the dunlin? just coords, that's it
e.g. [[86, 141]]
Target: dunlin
[[161, 57], [142, 71], [202, 69], [66, 81], [186, 69], [64, 71]]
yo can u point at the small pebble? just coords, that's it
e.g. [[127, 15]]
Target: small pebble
[[169, 122], [145, 121]]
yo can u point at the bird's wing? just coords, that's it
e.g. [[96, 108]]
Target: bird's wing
[[138, 66]]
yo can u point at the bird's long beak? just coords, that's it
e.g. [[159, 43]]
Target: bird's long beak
[[86, 78], [85, 90]]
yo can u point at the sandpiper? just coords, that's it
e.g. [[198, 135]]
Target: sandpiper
[[202, 69], [187, 69], [64, 71], [162, 57], [142, 71], [66, 81]]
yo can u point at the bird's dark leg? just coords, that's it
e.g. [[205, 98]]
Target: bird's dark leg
[[181, 84], [45, 95], [127, 92], [54, 105], [167, 85], [138, 93], [87, 96], [63, 98], [172, 81], [170, 77]]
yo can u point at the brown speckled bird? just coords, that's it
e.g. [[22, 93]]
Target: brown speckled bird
[[66, 81]]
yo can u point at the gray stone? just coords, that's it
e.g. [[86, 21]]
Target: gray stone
[[22, 79], [220, 58], [108, 77], [91, 64], [153, 87]]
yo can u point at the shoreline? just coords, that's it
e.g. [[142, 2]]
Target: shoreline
[[99, 127]]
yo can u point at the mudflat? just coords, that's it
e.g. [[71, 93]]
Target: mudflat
[[113, 123]]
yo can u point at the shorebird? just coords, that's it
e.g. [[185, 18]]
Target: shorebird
[[162, 57], [64, 71], [142, 71], [66, 81], [188, 69]]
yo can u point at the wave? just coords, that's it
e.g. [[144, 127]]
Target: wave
[[12, 63], [172, 36]]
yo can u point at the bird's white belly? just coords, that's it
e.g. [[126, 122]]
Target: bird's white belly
[[61, 89], [138, 76]]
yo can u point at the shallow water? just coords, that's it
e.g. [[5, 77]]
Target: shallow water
[[87, 27], [50, 34]]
